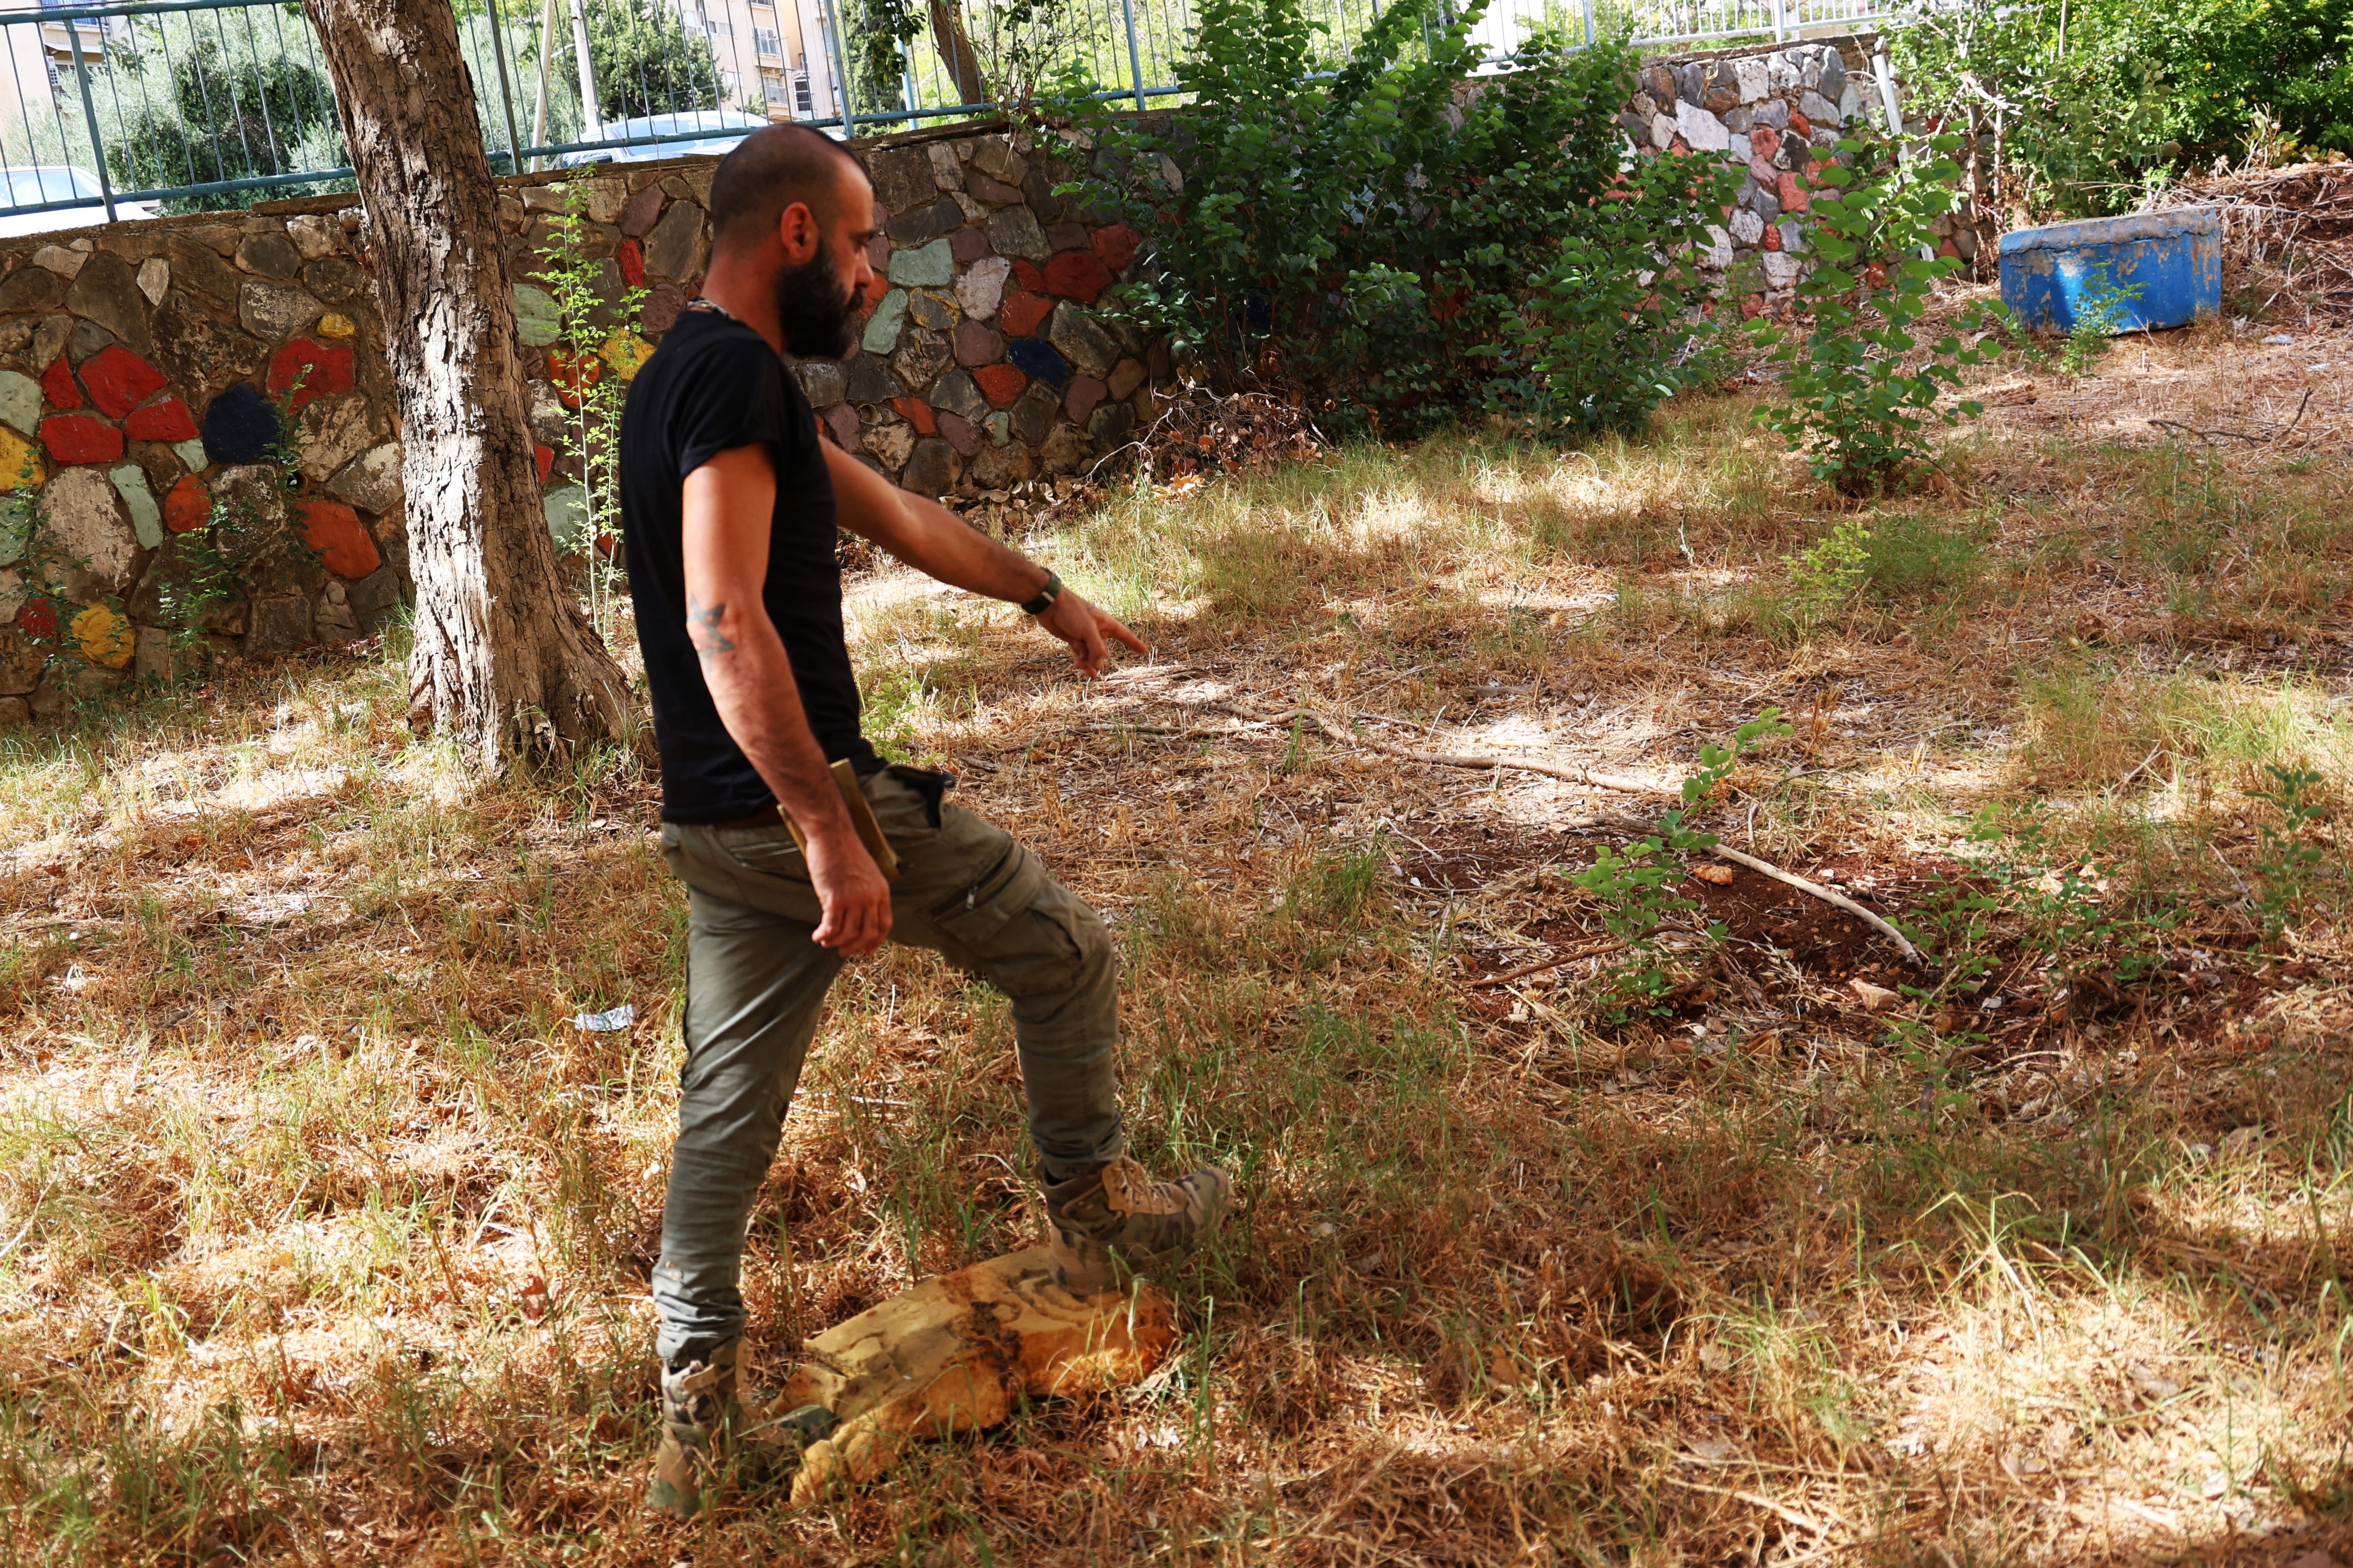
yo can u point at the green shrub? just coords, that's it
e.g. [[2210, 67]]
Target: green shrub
[[1858, 399], [1357, 235]]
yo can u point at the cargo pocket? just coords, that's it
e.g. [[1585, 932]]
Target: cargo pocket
[[1008, 930]]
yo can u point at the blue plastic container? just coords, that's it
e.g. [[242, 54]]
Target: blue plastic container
[[2174, 256]]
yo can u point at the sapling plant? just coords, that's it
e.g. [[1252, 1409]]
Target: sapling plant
[[2098, 309], [596, 349], [1860, 392], [1641, 887]]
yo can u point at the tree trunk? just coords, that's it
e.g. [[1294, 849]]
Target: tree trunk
[[503, 659], [957, 51]]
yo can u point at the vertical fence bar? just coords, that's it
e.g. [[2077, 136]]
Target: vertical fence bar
[[840, 69], [1588, 24], [89, 114], [506, 89], [1135, 55], [591, 115]]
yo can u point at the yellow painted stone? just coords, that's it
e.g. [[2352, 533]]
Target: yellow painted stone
[[104, 636], [20, 465], [625, 352], [332, 325]]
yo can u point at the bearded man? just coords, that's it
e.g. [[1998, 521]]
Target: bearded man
[[730, 499]]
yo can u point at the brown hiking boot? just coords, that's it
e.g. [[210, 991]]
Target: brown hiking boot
[[1114, 1222], [703, 1420], [697, 1399]]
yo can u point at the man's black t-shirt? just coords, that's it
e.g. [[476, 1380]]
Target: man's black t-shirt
[[714, 384]]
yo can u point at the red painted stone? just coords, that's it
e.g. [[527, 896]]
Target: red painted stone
[[78, 439], [39, 618], [1949, 248], [1772, 240], [633, 264], [1115, 243], [1752, 306], [188, 507], [916, 412], [335, 532], [120, 381], [1026, 273], [1800, 125], [1018, 313], [1764, 142], [1078, 274], [306, 370], [1000, 384], [1793, 193], [166, 421], [543, 458], [57, 388], [1877, 275]]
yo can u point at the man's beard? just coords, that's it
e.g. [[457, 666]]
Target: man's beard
[[814, 308]]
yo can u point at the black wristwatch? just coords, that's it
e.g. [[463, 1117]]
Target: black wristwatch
[[1046, 595]]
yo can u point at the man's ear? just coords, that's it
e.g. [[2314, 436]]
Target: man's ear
[[797, 230]]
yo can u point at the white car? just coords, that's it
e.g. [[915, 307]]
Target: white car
[[721, 129], [38, 184]]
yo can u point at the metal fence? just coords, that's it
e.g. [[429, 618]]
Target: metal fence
[[125, 110]]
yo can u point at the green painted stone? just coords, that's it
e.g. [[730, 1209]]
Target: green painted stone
[[193, 454], [16, 529], [929, 266], [146, 517], [567, 516], [20, 401], [882, 328], [536, 320]]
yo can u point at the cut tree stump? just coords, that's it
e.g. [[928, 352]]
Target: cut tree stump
[[957, 1353]]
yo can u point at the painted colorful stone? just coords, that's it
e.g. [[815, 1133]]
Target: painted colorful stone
[[537, 321], [167, 420], [335, 532], [20, 401], [1022, 312], [188, 507], [39, 618], [146, 517], [625, 351], [240, 426], [102, 636], [1000, 384], [120, 381], [78, 439], [543, 458], [1078, 274], [1115, 243], [572, 376], [633, 258], [20, 463], [337, 326], [305, 370], [57, 387]]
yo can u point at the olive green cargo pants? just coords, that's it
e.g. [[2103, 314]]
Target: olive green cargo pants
[[756, 983]]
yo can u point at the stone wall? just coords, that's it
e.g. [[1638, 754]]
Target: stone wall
[[1771, 111], [198, 442]]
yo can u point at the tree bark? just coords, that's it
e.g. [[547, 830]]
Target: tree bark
[[503, 659], [956, 48]]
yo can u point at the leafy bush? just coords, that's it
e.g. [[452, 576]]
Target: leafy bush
[[1857, 398], [214, 114], [2071, 112], [1359, 236]]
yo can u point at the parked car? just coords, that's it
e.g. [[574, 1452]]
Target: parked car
[[726, 127], [40, 182]]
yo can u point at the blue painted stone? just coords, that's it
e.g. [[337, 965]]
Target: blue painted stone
[[240, 426], [1038, 357]]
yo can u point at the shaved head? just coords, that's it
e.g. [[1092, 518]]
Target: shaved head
[[768, 171]]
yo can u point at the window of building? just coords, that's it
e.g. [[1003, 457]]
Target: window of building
[[766, 40]]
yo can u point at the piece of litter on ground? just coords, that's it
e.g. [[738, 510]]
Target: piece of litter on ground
[[2324, 365], [621, 1017], [2279, 338]]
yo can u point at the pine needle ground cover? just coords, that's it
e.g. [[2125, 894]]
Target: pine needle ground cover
[[324, 1226]]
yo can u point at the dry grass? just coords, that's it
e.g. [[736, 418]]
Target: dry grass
[[325, 1230]]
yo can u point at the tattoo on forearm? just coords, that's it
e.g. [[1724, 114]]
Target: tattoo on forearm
[[702, 628]]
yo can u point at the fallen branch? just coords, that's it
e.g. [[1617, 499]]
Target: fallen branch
[[1566, 958], [1483, 762], [1836, 901]]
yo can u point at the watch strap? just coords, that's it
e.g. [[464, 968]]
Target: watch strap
[[1046, 595]]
